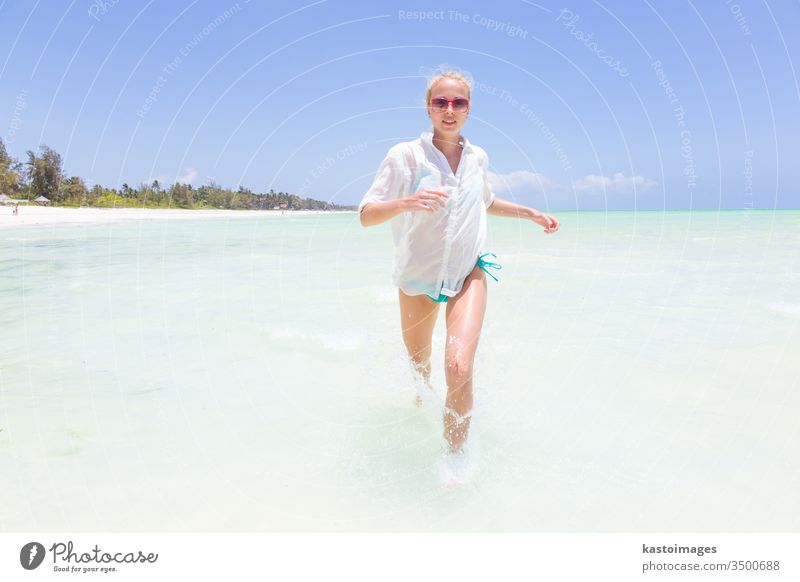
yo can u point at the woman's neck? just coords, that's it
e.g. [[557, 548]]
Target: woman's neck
[[446, 144]]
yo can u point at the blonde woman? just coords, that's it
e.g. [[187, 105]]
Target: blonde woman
[[436, 192]]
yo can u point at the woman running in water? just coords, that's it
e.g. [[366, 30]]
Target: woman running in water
[[436, 192]]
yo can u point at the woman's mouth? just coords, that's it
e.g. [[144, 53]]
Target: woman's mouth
[[449, 121]]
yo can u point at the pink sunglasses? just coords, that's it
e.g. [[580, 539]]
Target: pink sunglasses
[[459, 104]]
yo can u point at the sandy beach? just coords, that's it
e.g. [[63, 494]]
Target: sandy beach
[[49, 216]]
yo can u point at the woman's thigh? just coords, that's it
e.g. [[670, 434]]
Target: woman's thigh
[[464, 317], [418, 315]]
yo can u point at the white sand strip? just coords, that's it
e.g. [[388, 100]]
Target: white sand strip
[[45, 216]]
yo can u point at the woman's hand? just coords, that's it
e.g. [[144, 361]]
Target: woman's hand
[[549, 223], [426, 201]]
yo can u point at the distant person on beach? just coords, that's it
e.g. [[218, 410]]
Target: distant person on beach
[[436, 192], [15, 212]]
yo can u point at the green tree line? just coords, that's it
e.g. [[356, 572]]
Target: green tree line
[[42, 174]]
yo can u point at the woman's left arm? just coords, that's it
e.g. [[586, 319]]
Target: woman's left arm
[[500, 207]]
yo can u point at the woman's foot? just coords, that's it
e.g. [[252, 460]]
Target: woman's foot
[[425, 389], [455, 469]]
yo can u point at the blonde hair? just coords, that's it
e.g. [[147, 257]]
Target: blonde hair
[[449, 74]]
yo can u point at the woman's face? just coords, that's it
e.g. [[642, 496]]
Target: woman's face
[[449, 121]]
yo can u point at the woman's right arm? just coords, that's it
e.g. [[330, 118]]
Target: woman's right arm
[[378, 212], [384, 200], [423, 201]]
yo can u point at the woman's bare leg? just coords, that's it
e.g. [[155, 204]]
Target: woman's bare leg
[[418, 318], [464, 317]]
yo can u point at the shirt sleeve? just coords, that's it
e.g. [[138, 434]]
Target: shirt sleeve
[[488, 195], [389, 182]]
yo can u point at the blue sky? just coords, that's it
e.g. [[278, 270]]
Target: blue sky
[[580, 105]]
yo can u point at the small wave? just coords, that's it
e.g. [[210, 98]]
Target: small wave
[[332, 341], [386, 296], [792, 310]]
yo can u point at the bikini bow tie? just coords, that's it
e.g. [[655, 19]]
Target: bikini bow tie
[[485, 265]]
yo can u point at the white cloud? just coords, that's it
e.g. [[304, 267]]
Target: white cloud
[[619, 183], [188, 176], [522, 182]]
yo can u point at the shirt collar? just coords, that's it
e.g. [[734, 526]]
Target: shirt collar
[[427, 137]]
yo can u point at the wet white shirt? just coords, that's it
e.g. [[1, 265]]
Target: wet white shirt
[[435, 251]]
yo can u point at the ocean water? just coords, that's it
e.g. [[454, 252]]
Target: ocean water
[[636, 371]]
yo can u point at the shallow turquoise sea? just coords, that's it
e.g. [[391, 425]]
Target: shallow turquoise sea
[[637, 371]]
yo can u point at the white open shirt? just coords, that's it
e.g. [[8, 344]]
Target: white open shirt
[[434, 251]]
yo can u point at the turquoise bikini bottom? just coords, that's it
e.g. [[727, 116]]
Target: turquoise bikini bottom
[[442, 298]]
